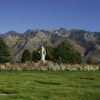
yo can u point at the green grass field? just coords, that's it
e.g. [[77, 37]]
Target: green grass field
[[39, 85]]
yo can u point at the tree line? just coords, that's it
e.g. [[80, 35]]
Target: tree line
[[61, 53]]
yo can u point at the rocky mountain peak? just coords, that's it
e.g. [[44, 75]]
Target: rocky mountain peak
[[84, 41]]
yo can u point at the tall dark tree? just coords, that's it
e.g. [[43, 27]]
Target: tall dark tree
[[36, 55], [4, 52], [26, 56]]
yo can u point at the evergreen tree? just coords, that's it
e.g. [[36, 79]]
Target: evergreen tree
[[36, 55], [4, 52], [26, 56]]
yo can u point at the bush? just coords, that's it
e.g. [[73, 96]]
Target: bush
[[49, 52], [65, 53], [26, 56], [47, 66], [92, 60], [36, 55]]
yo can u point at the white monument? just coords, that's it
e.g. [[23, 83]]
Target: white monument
[[43, 54]]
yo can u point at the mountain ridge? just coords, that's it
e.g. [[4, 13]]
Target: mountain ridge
[[84, 41]]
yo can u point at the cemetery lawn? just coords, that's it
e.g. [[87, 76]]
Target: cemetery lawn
[[49, 85]]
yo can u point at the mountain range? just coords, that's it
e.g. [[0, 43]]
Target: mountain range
[[87, 43]]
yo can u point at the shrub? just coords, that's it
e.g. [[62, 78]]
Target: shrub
[[65, 53], [26, 56], [49, 52], [92, 60], [35, 55]]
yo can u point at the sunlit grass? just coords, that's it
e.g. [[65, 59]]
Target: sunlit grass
[[49, 85]]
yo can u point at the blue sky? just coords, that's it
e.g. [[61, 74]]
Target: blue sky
[[20, 15]]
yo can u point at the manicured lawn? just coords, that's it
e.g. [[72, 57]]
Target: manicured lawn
[[39, 85]]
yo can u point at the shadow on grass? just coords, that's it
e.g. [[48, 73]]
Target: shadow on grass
[[86, 78], [84, 86], [8, 91], [48, 83]]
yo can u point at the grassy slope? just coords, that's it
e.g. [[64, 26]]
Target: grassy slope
[[37, 85]]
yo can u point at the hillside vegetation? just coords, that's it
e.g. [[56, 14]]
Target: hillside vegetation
[[85, 42]]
